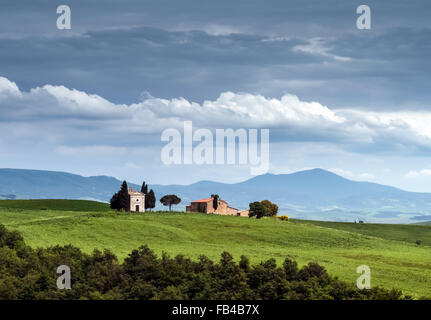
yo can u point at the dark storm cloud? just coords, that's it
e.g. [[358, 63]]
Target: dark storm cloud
[[198, 49], [120, 64], [372, 70], [125, 51], [270, 16]]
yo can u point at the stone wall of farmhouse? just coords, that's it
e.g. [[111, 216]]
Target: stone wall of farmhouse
[[222, 208], [231, 211]]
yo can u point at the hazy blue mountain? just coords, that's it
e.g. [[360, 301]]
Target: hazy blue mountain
[[317, 194], [7, 196], [311, 194], [25, 184]]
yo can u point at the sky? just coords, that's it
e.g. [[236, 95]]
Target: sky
[[95, 99]]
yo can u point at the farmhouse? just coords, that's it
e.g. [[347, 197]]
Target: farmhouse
[[136, 201], [207, 206]]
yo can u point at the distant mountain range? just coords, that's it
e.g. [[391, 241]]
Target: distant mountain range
[[312, 194]]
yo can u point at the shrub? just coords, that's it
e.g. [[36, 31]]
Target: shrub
[[284, 218]]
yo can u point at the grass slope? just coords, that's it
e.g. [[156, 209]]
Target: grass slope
[[426, 223], [55, 204], [393, 262], [409, 233]]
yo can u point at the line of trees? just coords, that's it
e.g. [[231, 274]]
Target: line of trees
[[121, 199], [27, 273]]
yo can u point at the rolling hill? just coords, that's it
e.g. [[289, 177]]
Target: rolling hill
[[38, 184], [313, 194], [55, 204], [396, 261]]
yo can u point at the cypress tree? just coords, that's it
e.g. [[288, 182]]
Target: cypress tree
[[150, 200], [144, 188], [115, 203], [123, 197], [215, 201]]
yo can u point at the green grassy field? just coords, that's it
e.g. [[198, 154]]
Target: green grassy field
[[409, 233], [389, 250], [426, 223], [55, 204]]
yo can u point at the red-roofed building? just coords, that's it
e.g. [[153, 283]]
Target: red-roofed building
[[207, 206]]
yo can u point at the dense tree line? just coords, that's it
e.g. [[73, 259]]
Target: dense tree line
[[27, 273]]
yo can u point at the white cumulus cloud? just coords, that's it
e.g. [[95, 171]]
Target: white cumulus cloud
[[62, 114], [420, 173]]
